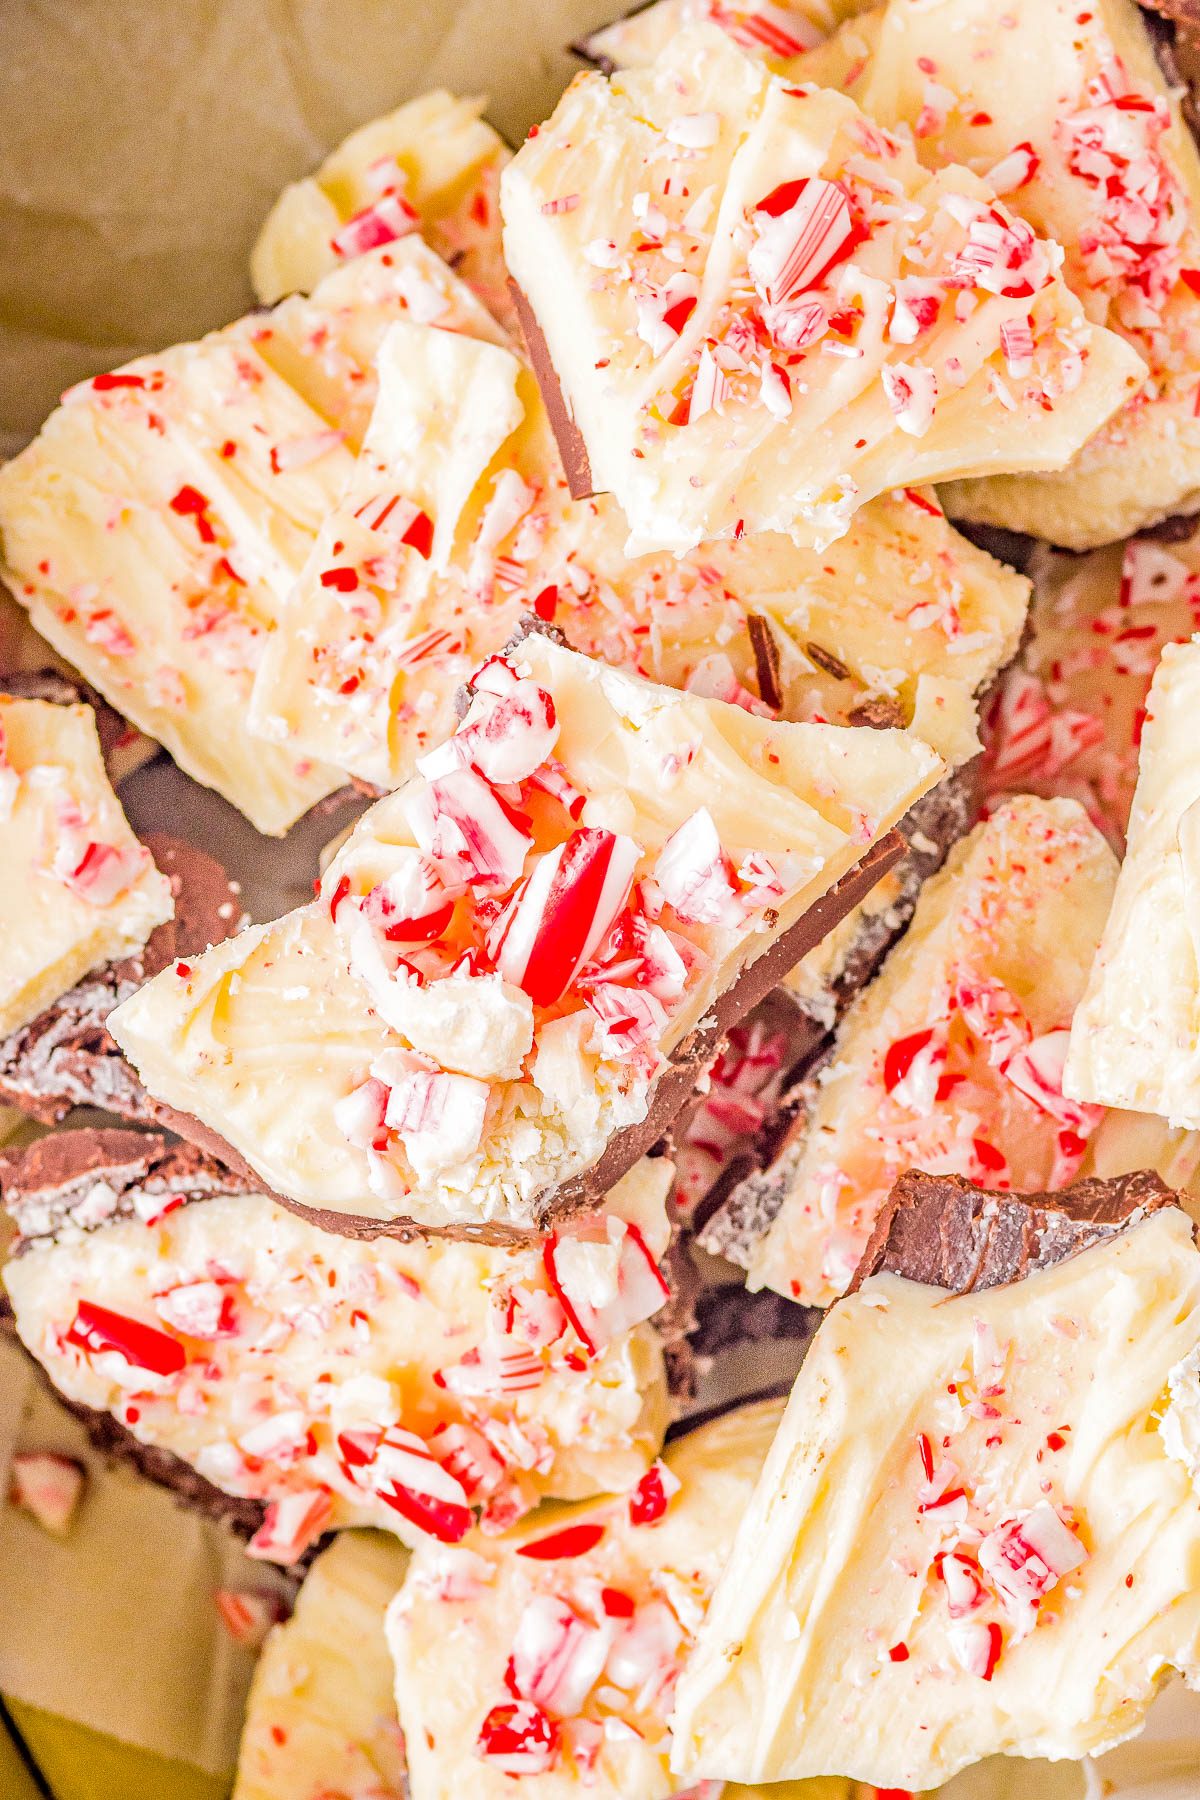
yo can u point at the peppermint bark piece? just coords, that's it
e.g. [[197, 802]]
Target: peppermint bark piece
[[1136, 1037], [519, 964], [1079, 129], [952, 1059], [414, 1387], [64, 1056], [158, 522], [709, 258], [457, 522], [1068, 716], [432, 166], [775, 30], [973, 1532], [81, 889], [577, 1625], [321, 1717]]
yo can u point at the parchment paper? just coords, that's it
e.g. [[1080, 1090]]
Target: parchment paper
[[142, 142]]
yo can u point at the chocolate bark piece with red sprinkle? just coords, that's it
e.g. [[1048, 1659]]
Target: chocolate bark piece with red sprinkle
[[65, 1057], [943, 1231], [115, 733]]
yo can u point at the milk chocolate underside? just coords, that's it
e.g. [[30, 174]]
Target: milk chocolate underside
[[942, 1231]]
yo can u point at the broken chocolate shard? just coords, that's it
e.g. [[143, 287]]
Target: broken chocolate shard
[[729, 1314], [878, 714], [689, 1062], [99, 1173], [571, 447], [826, 660], [942, 1231], [765, 646], [65, 1057]]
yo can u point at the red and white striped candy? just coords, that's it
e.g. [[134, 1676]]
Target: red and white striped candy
[[293, 1522], [360, 1115], [97, 872], [519, 1739], [100, 1331], [557, 1657], [915, 310], [198, 1309], [912, 1069], [469, 1458], [553, 779], [765, 26], [1016, 341], [911, 392], [714, 676], [1026, 1557], [965, 1591], [507, 736], [1002, 254], [1036, 1069], [975, 1647], [247, 1615], [803, 229], [438, 1117], [663, 971], [564, 910], [627, 1019], [608, 1284], [1021, 728], [644, 1660], [696, 877], [1014, 170], [791, 328], [389, 218], [494, 1368], [46, 1486], [460, 819], [412, 904]]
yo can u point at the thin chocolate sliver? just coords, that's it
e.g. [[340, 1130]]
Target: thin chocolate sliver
[[942, 1231], [571, 447]]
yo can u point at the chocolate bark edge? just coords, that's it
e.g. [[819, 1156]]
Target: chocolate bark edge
[[41, 1184], [65, 1057], [584, 47], [571, 448], [689, 1061], [944, 1232]]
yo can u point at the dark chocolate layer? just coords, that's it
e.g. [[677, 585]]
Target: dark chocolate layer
[[42, 1184], [571, 447], [944, 1232], [65, 1057]]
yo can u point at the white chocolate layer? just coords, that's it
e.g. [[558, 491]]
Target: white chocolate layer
[[157, 524], [263, 1037], [294, 1336], [459, 1615], [437, 157], [321, 1718], [687, 421], [776, 32], [79, 889], [936, 1064], [1136, 1038], [829, 1643]]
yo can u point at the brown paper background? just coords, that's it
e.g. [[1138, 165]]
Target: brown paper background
[[142, 141]]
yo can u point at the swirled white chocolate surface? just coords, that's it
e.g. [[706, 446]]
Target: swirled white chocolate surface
[[761, 311], [977, 1530], [79, 888]]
